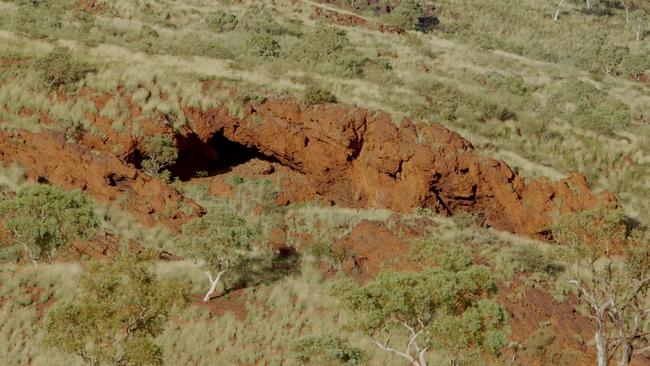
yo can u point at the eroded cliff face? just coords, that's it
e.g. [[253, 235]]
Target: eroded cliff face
[[49, 158], [358, 158], [344, 155]]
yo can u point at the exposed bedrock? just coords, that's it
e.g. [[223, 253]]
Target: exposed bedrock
[[359, 158]]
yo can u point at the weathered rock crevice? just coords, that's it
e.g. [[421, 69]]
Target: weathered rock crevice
[[357, 158]]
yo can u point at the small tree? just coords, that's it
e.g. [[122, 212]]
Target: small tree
[[615, 290], [639, 19], [161, 154], [122, 307], [58, 68], [221, 240], [449, 308], [45, 218]]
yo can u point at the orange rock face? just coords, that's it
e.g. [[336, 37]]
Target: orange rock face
[[47, 157], [358, 158]]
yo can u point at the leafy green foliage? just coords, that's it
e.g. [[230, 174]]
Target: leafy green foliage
[[220, 21], [122, 307], [316, 95], [221, 239], [586, 106], [408, 14], [328, 49], [259, 19], [45, 218], [58, 68], [161, 153], [448, 308], [635, 65], [327, 350], [614, 291], [263, 45]]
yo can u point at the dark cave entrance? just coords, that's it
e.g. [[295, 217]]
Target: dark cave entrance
[[218, 155]]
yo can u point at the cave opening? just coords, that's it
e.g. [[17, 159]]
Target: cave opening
[[218, 155]]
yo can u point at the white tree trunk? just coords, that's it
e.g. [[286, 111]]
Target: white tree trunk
[[638, 32], [213, 284], [557, 12], [588, 4], [627, 12], [601, 346]]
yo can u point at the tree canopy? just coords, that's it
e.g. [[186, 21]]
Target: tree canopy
[[448, 309], [45, 218], [122, 307]]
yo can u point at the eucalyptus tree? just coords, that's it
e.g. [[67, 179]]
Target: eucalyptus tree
[[114, 320], [449, 309], [221, 241], [611, 275]]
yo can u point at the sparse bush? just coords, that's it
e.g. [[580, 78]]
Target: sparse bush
[[161, 153], [316, 95], [45, 218], [59, 68], [220, 21], [327, 350], [263, 45], [407, 14], [635, 65], [258, 19], [328, 49]]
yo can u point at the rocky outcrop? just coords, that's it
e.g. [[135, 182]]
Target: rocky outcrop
[[359, 158], [48, 158]]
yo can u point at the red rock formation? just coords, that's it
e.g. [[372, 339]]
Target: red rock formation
[[48, 157], [358, 158]]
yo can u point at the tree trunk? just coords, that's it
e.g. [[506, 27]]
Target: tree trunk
[[588, 4], [601, 346], [213, 284], [626, 354], [557, 12], [638, 32], [627, 12]]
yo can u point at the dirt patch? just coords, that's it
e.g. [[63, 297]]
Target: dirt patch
[[234, 302], [372, 248]]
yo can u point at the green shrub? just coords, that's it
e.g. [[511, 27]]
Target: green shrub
[[45, 218], [329, 50], [258, 19], [220, 21], [263, 45], [58, 68], [327, 350], [635, 65], [316, 95], [407, 14], [38, 20], [161, 153]]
